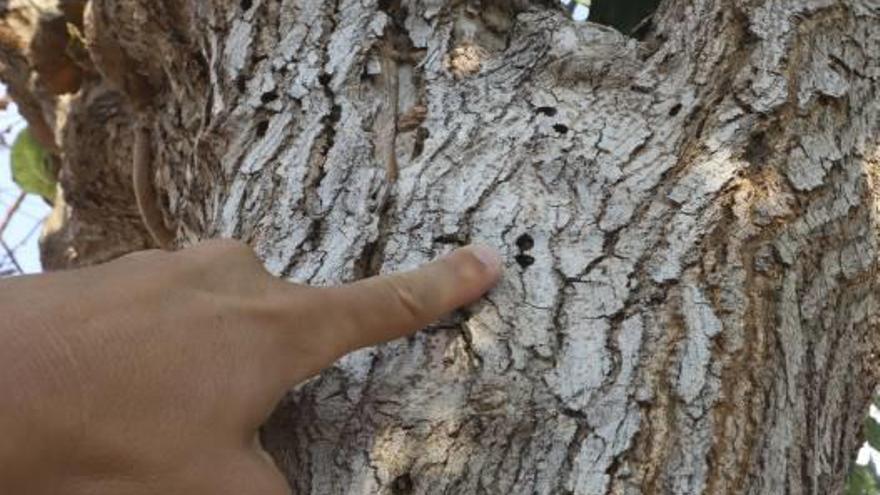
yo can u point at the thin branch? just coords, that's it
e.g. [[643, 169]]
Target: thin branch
[[11, 212], [11, 256]]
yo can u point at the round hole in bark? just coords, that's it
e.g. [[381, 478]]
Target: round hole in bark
[[246, 4], [560, 128], [525, 242], [402, 485], [674, 110], [524, 260], [262, 127], [548, 111], [268, 97]]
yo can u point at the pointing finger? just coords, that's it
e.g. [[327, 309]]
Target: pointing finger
[[319, 325], [386, 307]]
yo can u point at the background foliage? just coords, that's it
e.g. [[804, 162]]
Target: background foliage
[[863, 478]]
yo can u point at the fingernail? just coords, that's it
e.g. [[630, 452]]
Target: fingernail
[[488, 257]]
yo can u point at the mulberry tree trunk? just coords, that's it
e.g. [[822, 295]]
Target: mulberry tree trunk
[[690, 221]]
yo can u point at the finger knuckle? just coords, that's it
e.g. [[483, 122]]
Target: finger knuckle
[[227, 247], [228, 251], [406, 299]]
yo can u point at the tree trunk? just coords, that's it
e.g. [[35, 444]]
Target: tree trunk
[[690, 221]]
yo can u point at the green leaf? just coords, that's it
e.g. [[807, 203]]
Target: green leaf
[[872, 433], [862, 481], [31, 166]]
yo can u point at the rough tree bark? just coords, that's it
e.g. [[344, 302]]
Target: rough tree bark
[[690, 220]]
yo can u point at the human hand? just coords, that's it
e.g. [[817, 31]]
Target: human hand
[[152, 374]]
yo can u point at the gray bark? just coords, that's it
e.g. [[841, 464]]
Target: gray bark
[[690, 222]]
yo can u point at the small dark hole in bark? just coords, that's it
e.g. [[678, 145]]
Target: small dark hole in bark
[[246, 4], [335, 114], [560, 128], [525, 242], [524, 260], [448, 239], [422, 135], [548, 111], [262, 127], [384, 4], [402, 485], [758, 150], [241, 84], [268, 97], [674, 110], [324, 79]]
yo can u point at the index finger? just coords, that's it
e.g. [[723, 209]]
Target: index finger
[[384, 308], [322, 324]]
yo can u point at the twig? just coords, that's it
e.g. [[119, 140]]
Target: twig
[[11, 256], [11, 212]]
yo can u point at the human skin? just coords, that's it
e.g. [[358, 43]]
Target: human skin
[[152, 374]]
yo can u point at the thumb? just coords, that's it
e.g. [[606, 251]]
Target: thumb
[[383, 308]]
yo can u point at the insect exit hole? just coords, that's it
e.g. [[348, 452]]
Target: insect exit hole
[[525, 242], [525, 260]]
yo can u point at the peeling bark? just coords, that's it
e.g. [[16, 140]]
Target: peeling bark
[[690, 221]]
